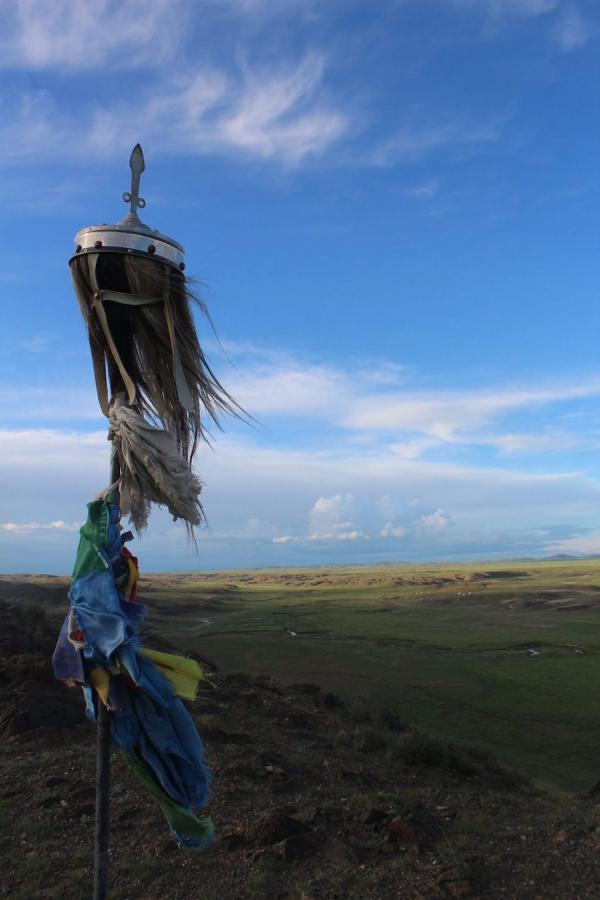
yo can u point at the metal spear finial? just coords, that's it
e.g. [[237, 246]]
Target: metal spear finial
[[137, 166]]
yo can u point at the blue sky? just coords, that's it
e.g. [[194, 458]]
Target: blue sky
[[392, 209]]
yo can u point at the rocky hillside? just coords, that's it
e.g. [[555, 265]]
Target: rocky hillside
[[312, 798]]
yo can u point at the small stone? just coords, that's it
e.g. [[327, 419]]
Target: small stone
[[373, 816], [233, 840], [338, 852], [301, 846], [457, 889], [401, 831], [276, 826], [55, 780]]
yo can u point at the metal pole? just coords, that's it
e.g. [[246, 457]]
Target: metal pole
[[103, 742], [102, 800]]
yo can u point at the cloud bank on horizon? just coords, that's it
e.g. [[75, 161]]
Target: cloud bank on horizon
[[391, 212]]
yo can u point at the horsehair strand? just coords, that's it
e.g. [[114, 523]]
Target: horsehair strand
[[150, 363]]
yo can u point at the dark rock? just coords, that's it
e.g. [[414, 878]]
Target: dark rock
[[300, 846], [429, 826], [300, 720], [83, 790], [208, 709], [288, 786], [393, 722], [373, 816], [457, 888], [371, 742], [52, 707], [49, 802], [594, 793], [220, 736], [54, 780], [128, 813], [238, 678], [332, 701], [325, 816], [305, 688], [276, 826], [243, 770], [400, 831], [338, 852], [233, 840]]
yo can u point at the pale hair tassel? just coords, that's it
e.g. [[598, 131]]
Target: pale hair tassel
[[152, 470]]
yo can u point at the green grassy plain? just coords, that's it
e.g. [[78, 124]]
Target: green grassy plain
[[444, 647]]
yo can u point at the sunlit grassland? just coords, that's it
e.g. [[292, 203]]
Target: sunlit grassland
[[449, 656]]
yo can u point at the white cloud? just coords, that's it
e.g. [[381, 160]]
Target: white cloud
[[365, 405], [261, 122], [548, 440], [588, 543], [426, 191], [283, 497], [276, 112], [436, 521], [412, 142], [60, 404], [289, 389], [390, 530], [121, 34], [26, 528], [444, 413], [339, 535], [509, 8], [573, 30], [51, 450], [37, 343], [331, 518]]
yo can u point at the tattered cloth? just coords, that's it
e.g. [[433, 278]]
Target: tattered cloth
[[98, 648]]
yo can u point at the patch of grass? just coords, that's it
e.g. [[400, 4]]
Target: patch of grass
[[418, 749], [264, 880], [369, 740]]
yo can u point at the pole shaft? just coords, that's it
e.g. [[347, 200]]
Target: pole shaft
[[102, 799], [103, 742]]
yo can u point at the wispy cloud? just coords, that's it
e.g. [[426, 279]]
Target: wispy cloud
[[390, 530], [414, 142], [443, 414], [367, 405], [27, 528], [426, 191], [500, 9], [37, 343], [122, 34], [277, 112], [573, 30], [35, 405], [366, 499], [588, 542]]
